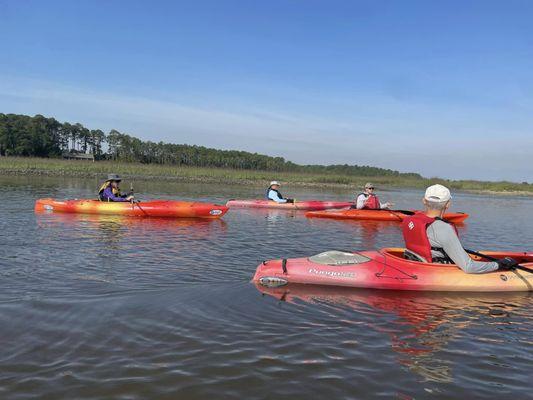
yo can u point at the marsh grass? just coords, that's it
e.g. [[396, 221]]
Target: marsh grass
[[99, 169]]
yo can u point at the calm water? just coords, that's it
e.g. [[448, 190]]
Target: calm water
[[103, 307]]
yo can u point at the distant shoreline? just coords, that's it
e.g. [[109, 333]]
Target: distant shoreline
[[85, 169]]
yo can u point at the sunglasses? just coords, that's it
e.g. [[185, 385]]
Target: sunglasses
[[370, 188]]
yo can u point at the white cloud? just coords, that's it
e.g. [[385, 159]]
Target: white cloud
[[370, 130]]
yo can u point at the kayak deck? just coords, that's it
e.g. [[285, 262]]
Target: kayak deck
[[387, 269], [378, 215], [297, 205], [156, 208]]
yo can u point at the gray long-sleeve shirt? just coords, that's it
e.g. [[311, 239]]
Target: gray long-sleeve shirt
[[442, 234]]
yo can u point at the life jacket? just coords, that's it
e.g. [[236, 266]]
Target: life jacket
[[371, 202], [105, 185], [268, 192], [414, 229]]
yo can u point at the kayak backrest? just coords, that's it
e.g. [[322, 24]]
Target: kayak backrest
[[411, 255], [396, 252], [338, 258]]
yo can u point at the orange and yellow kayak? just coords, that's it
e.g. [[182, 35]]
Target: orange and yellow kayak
[[378, 215], [156, 208], [387, 269]]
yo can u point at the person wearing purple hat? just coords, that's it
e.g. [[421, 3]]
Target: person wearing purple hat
[[110, 190]]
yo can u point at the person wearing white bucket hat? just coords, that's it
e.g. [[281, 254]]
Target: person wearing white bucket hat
[[429, 238], [273, 193]]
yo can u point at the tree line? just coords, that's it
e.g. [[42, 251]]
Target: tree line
[[39, 136]]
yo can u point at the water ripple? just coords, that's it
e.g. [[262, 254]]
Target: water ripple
[[106, 307]]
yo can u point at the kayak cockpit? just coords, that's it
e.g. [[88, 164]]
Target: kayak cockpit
[[398, 254]]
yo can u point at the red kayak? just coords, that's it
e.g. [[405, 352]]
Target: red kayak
[[156, 208], [297, 205], [387, 269], [378, 215]]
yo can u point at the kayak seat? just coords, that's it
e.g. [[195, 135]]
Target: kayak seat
[[338, 258], [412, 256]]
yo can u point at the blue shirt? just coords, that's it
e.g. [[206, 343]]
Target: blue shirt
[[273, 195]]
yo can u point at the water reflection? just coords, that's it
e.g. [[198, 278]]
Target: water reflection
[[54, 220], [423, 324], [113, 230]]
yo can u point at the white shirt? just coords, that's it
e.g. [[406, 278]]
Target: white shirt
[[360, 202]]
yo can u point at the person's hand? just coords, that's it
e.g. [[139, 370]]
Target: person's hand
[[506, 263], [388, 205], [130, 198]]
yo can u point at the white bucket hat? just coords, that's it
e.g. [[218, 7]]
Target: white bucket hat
[[437, 193], [274, 183]]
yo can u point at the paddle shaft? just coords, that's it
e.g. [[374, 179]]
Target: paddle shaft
[[133, 202], [475, 253], [138, 205], [407, 212]]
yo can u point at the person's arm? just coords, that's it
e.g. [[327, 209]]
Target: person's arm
[[360, 202], [108, 193], [443, 235], [274, 196]]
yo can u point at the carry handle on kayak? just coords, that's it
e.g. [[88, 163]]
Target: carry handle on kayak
[[284, 265]]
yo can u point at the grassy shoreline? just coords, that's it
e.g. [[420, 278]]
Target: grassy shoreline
[[99, 169]]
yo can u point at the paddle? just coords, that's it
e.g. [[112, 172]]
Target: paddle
[[475, 253], [407, 212], [396, 212], [136, 202]]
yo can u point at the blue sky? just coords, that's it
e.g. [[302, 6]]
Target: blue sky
[[440, 88]]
